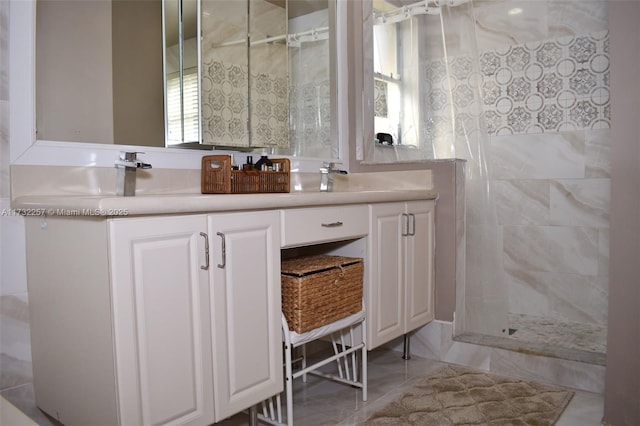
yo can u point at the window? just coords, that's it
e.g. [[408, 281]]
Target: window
[[386, 81], [183, 115], [396, 64]]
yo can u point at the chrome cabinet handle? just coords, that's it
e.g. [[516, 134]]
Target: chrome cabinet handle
[[224, 251], [413, 225], [206, 251], [405, 224], [332, 224]]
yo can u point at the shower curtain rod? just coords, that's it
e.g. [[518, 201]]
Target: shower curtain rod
[[314, 34], [425, 7]]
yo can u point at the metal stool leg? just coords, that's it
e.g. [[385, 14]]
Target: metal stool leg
[[406, 354], [253, 415]]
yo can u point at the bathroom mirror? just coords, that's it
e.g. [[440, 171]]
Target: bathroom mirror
[[100, 79]]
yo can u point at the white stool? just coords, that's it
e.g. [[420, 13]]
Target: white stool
[[347, 338]]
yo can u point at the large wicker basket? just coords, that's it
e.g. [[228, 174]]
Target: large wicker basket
[[320, 289]]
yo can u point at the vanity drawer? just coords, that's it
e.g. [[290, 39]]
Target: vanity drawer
[[323, 224]]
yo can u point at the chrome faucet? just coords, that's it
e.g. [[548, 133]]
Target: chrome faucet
[[326, 176], [127, 165]]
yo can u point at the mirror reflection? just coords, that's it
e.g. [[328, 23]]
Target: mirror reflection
[[312, 94], [127, 72], [99, 72], [180, 35], [245, 75], [396, 65]]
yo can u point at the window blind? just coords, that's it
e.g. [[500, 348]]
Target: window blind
[[174, 114]]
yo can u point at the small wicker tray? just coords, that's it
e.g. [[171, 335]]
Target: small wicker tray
[[320, 289], [219, 178]]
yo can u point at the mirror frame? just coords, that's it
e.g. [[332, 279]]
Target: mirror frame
[[26, 149]]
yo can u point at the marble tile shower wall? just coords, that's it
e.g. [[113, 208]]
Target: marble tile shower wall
[[547, 109], [545, 94]]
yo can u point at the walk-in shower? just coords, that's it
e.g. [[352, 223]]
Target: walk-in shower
[[520, 90]]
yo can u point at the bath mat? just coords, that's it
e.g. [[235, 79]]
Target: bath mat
[[459, 396]]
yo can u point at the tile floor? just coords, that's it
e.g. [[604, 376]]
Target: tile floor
[[320, 402]]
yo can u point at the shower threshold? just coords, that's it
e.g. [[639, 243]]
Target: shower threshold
[[547, 337]]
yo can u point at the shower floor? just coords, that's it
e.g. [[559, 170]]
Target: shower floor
[[549, 337]]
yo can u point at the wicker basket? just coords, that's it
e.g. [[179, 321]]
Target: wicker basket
[[219, 178], [320, 289]]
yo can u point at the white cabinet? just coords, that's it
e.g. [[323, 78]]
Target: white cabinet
[[176, 319], [161, 320], [134, 322], [400, 264], [245, 298]]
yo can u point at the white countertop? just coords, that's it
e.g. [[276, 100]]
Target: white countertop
[[65, 191], [94, 205]]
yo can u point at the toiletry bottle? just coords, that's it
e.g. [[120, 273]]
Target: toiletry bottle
[[249, 164], [263, 163]]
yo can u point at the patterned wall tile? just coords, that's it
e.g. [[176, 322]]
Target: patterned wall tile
[[536, 87], [380, 95], [549, 86], [438, 99], [583, 114], [224, 118], [550, 117], [462, 96], [461, 67], [518, 58], [489, 63], [548, 54], [225, 111]]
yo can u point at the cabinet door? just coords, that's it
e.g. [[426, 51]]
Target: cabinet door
[[385, 295], [419, 258], [247, 334], [161, 328]]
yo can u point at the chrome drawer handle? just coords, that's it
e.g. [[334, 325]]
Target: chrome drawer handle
[[332, 225]]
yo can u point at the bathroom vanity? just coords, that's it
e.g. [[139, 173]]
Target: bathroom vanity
[[166, 309]]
